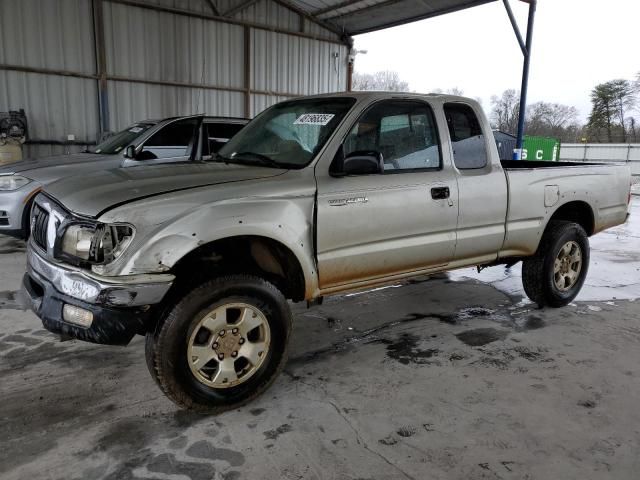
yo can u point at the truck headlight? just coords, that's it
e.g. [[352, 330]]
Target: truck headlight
[[77, 241], [97, 244], [9, 183]]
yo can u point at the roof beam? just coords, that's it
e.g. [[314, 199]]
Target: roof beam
[[238, 8], [333, 8], [516, 29], [233, 21], [311, 18], [365, 8], [213, 7]]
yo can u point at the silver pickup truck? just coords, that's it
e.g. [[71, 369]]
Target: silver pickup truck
[[315, 196], [175, 139]]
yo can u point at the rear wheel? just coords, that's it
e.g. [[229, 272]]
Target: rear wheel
[[222, 345], [556, 273]]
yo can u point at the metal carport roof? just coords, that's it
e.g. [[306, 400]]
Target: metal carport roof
[[354, 17]]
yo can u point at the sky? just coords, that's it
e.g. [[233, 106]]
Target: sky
[[576, 45]]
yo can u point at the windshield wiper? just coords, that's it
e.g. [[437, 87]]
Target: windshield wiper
[[255, 158], [216, 157]]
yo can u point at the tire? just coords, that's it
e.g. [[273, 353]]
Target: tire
[[168, 348], [538, 277]]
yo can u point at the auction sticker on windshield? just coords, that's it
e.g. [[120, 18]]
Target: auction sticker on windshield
[[314, 119]]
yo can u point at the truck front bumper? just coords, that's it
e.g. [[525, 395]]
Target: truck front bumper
[[112, 309]]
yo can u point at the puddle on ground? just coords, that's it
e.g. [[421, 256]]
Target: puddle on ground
[[534, 322], [481, 336], [474, 312], [10, 246], [405, 350], [12, 301]]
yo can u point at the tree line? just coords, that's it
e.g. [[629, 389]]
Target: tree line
[[614, 117]]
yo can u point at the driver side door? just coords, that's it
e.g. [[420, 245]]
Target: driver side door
[[402, 220]]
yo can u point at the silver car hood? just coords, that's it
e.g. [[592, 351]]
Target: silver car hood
[[49, 169], [94, 194]]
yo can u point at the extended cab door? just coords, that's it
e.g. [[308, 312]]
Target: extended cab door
[[402, 220], [482, 185]]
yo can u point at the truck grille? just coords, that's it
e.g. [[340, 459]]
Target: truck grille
[[39, 223]]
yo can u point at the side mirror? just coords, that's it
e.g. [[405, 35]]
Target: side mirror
[[363, 163], [130, 152]]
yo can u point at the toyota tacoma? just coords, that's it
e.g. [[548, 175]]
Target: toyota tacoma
[[316, 196]]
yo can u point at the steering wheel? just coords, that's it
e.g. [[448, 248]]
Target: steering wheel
[[388, 154]]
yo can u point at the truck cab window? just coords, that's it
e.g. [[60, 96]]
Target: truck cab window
[[467, 138], [174, 140], [403, 131]]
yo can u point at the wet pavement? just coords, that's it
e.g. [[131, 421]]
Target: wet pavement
[[449, 377]]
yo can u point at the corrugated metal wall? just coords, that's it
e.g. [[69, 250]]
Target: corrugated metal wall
[[296, 65], [158, 46], [32, 34], [158, 63]]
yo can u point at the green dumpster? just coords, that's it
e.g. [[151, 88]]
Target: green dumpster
[[540, 148]]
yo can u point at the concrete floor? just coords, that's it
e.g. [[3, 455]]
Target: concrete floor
[[451, 377]]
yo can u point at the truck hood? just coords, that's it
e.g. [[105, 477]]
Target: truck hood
[[48, 169], [92, 195]]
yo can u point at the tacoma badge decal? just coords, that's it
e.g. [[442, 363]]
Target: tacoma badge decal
[[339, 202]]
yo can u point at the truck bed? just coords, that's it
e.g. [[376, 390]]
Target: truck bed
[[537, 188]]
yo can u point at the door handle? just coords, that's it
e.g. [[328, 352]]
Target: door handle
[[440, 193]]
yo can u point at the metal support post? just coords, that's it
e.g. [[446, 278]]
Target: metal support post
[[526, 52]]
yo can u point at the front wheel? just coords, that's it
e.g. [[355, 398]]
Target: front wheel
[[557, 271], [222, 344]]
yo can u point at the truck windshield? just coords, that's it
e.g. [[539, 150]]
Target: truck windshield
[[120, 140], [287, 135]]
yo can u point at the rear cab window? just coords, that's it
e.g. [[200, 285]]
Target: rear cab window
[[467, 138]]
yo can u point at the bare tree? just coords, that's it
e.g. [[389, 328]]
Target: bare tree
[[504, 112], [387, 80], [550, 119]]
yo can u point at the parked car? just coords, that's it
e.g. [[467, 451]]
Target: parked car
[[153, 141], [316, 196]]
